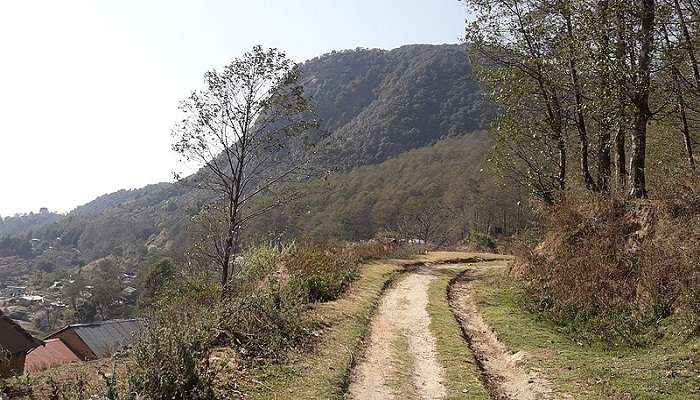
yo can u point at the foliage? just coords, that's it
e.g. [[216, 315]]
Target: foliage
[[172, 360], [321, 273], [611, 269], [478, 241], [260, 316], [584, 80], [443, 187], [157, 276], [249, 131], [355, 94]]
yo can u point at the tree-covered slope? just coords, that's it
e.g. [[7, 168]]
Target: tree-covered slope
[[376, 104], [379, 103]]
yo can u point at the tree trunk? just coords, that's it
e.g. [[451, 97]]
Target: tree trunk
[[578, 97], [604, 161], [680, 100], [686, 133], [642, 112], [620, 156], [620, 149], [688, 43]]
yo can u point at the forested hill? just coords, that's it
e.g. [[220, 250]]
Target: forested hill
[[380, 103], [377, 104]]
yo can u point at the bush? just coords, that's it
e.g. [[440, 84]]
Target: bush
[[477, 241], [261, 315], [321, 273], [171, 358], [172, 362], [613, 268]]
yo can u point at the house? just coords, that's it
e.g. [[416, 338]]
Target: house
[[15, 342], [52, 354], [15, 291], [99, 339], [29, 300]]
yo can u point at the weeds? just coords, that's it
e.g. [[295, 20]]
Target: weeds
[[611, 269]]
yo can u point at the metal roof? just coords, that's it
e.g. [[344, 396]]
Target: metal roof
[[14, 338], [53, 353], [106, 337]]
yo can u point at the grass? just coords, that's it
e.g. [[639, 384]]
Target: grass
[[667, 369], [403, 368], [323, 373], [462, 380], [76, 380]]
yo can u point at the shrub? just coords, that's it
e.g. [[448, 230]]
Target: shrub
[[611, 268], [264, 325], [172, 362], [477, 241], [319, 272], [171, 358]]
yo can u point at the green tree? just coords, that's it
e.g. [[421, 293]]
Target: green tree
[[250, 129]]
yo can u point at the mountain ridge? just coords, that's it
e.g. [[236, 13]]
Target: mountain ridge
[[377, 104]]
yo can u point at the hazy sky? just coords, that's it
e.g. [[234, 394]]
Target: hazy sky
[[89, 88]]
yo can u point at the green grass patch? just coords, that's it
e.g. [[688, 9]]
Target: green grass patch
[[323, 372], [462, 374], [404, 366], [667, 369]]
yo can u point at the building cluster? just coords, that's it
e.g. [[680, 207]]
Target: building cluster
[[21, 352]]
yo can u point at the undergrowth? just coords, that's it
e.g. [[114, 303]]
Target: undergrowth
[[259, 319], [612, 269]]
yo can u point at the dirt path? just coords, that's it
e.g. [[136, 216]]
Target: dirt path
[[401, 312], [402, 316], [504, 378]]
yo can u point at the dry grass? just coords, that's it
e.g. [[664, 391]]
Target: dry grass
[[668, 369], [612, 268], [322, 373]]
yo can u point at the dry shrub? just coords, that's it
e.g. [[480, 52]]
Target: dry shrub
[[320, 273], [611, 267]]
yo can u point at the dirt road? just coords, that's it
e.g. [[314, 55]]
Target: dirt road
[[402, 315]]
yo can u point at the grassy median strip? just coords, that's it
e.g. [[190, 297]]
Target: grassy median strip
[[462, 374], [667, 369], [403, 368], [323, 372]]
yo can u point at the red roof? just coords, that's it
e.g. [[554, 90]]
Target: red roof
[[54, 353]]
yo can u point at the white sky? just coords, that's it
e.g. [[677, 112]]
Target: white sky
[[89, 89]]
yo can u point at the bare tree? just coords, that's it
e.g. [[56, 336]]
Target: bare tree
[[428, 225], [251, 131]]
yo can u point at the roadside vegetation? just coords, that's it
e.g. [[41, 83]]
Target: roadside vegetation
[[613, 270], [665, 368], [598, 119], [462, 374], [292, 320]]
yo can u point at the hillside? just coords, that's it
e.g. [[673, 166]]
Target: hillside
[[379, 103], [383, 110], [441, 187]]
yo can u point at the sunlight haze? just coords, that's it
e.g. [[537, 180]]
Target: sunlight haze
[[89, 89]]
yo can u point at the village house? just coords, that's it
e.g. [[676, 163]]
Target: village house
[[98, 339], [15, 342], [54, 353]]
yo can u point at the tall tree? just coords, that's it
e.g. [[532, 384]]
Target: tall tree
[[641, 81], [251, 130], [519, 67]]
